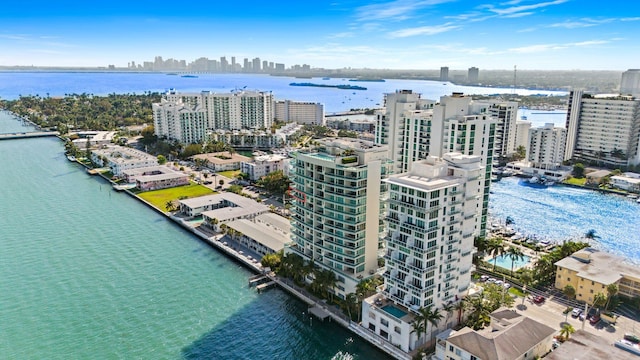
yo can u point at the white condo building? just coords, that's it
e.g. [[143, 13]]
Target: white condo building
[[546, 146], [522, 133], [630, 83], [265, 164], [506, 115], [431, 217], [337, 208], [603, 129], [189, 117], [414, 128], [301, 112], [120, 158]]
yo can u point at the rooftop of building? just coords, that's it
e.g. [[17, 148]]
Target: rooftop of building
[[261, 232], [235, 199], [154, 173], [121, 154], [221, 158], [351, 143], [518, 335], [599, 266]]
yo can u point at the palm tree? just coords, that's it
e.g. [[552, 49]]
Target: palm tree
[[514, 253], [170, 206], [431, 316], [526, 277], [417, 326], [448, 309], [566, 331], [495, 248], [612, 290], [459, 307], [591, 235], [599, 300], [351, 302]]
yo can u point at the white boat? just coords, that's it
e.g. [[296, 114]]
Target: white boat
[[534, 180], [632, 196], [121, 187], [71, 158]]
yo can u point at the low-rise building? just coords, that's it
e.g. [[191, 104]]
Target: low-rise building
[[582, 345], [263, 165], [590, 271], [628, 181], [155, 177], [227, 202], [265, 234], [121, 158], [223, 161], [510, 336], [595, 177]]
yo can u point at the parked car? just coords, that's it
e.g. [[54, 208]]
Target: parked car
[[484, 278], [575, 313], [491, 280], [506, 285], [594, 319], [539, 299]]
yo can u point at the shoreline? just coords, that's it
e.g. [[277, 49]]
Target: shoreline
[[320, 308]]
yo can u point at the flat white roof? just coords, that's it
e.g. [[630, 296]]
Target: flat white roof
[[265, 235]]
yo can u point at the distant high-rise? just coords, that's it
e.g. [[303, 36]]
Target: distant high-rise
[[444, 73], [472, 75], [256, 65], [233, 64], [224, 64], [188, 117], [247, 65], [630, 83], [603, 129]]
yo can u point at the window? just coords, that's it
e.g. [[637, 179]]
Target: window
[[473, 358], [451, 348]]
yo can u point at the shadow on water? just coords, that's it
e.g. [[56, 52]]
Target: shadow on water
[[277, 326]]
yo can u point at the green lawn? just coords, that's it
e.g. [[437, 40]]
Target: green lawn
[[159, 198], [574, 181], [231, 174], [516, 291]]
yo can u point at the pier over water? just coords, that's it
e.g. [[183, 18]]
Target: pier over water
[[26, 135]]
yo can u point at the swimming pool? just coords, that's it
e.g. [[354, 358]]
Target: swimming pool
[[394, 311], [504, 261]]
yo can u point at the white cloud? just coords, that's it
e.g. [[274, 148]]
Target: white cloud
[[521, 8], [519, 15], [631, 19], [423, 30], [540, 48], [582, 23], [19, 37], [394, 10]]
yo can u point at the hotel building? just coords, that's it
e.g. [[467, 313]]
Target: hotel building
[[630, 83], [431, 218], [603, 129], [337, 209]]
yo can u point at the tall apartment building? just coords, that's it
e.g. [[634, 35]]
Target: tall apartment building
[[546, 146], [522, 133], [472, 75], [506, 115], [444, 73], [414, 128], [630, 83], [603, 129], [431, 217], [405, 127], [337, 208], [188, 117], [300, 112]]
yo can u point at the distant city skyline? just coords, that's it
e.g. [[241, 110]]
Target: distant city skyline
[[398, 34]]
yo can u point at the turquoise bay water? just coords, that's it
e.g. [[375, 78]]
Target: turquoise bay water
[[90, 273], [560, 213]]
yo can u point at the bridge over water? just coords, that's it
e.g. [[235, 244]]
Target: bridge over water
[[26, 135]]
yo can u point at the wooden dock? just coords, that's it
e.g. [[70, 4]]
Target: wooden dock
[[265, 286], [257, 279]]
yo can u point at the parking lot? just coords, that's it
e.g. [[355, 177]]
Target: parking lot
[[548, 309]]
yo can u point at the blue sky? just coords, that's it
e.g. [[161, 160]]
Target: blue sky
[[399, 34]]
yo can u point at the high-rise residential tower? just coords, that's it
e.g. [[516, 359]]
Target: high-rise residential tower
[[431, 217], [603, 129], [546, 146], [188, 117], [337, 193]]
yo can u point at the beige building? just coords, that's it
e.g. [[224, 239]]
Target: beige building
[[510, 336], [223, 161], [589, 271]]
